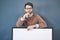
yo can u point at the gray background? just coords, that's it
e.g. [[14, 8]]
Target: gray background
[[10, 10]]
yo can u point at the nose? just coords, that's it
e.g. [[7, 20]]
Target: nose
[[28, 10]]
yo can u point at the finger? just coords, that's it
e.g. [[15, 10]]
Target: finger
[[29, 28]]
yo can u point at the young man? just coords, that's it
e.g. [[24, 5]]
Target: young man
[[32, 20]]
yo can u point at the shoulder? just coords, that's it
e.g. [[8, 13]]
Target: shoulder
[[37, 15]]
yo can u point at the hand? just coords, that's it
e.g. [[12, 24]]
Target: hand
[[26, 15], [31, 27]]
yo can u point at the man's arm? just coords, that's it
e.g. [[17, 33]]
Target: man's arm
[[42, 23], [20, 22]]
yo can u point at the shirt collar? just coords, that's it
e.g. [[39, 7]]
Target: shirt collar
[[31, 15]]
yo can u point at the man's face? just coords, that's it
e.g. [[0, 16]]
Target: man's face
[[28, 9]]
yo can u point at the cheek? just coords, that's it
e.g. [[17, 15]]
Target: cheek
[[31, 10]]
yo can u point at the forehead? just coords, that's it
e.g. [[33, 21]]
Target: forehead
[[28, 6]]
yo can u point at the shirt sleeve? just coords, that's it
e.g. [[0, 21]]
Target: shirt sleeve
[[20, 22], [42, 23]]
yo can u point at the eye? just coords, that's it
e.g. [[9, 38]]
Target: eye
[[28, 8]]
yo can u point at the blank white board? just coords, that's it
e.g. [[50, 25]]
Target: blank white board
[[34, 34]]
